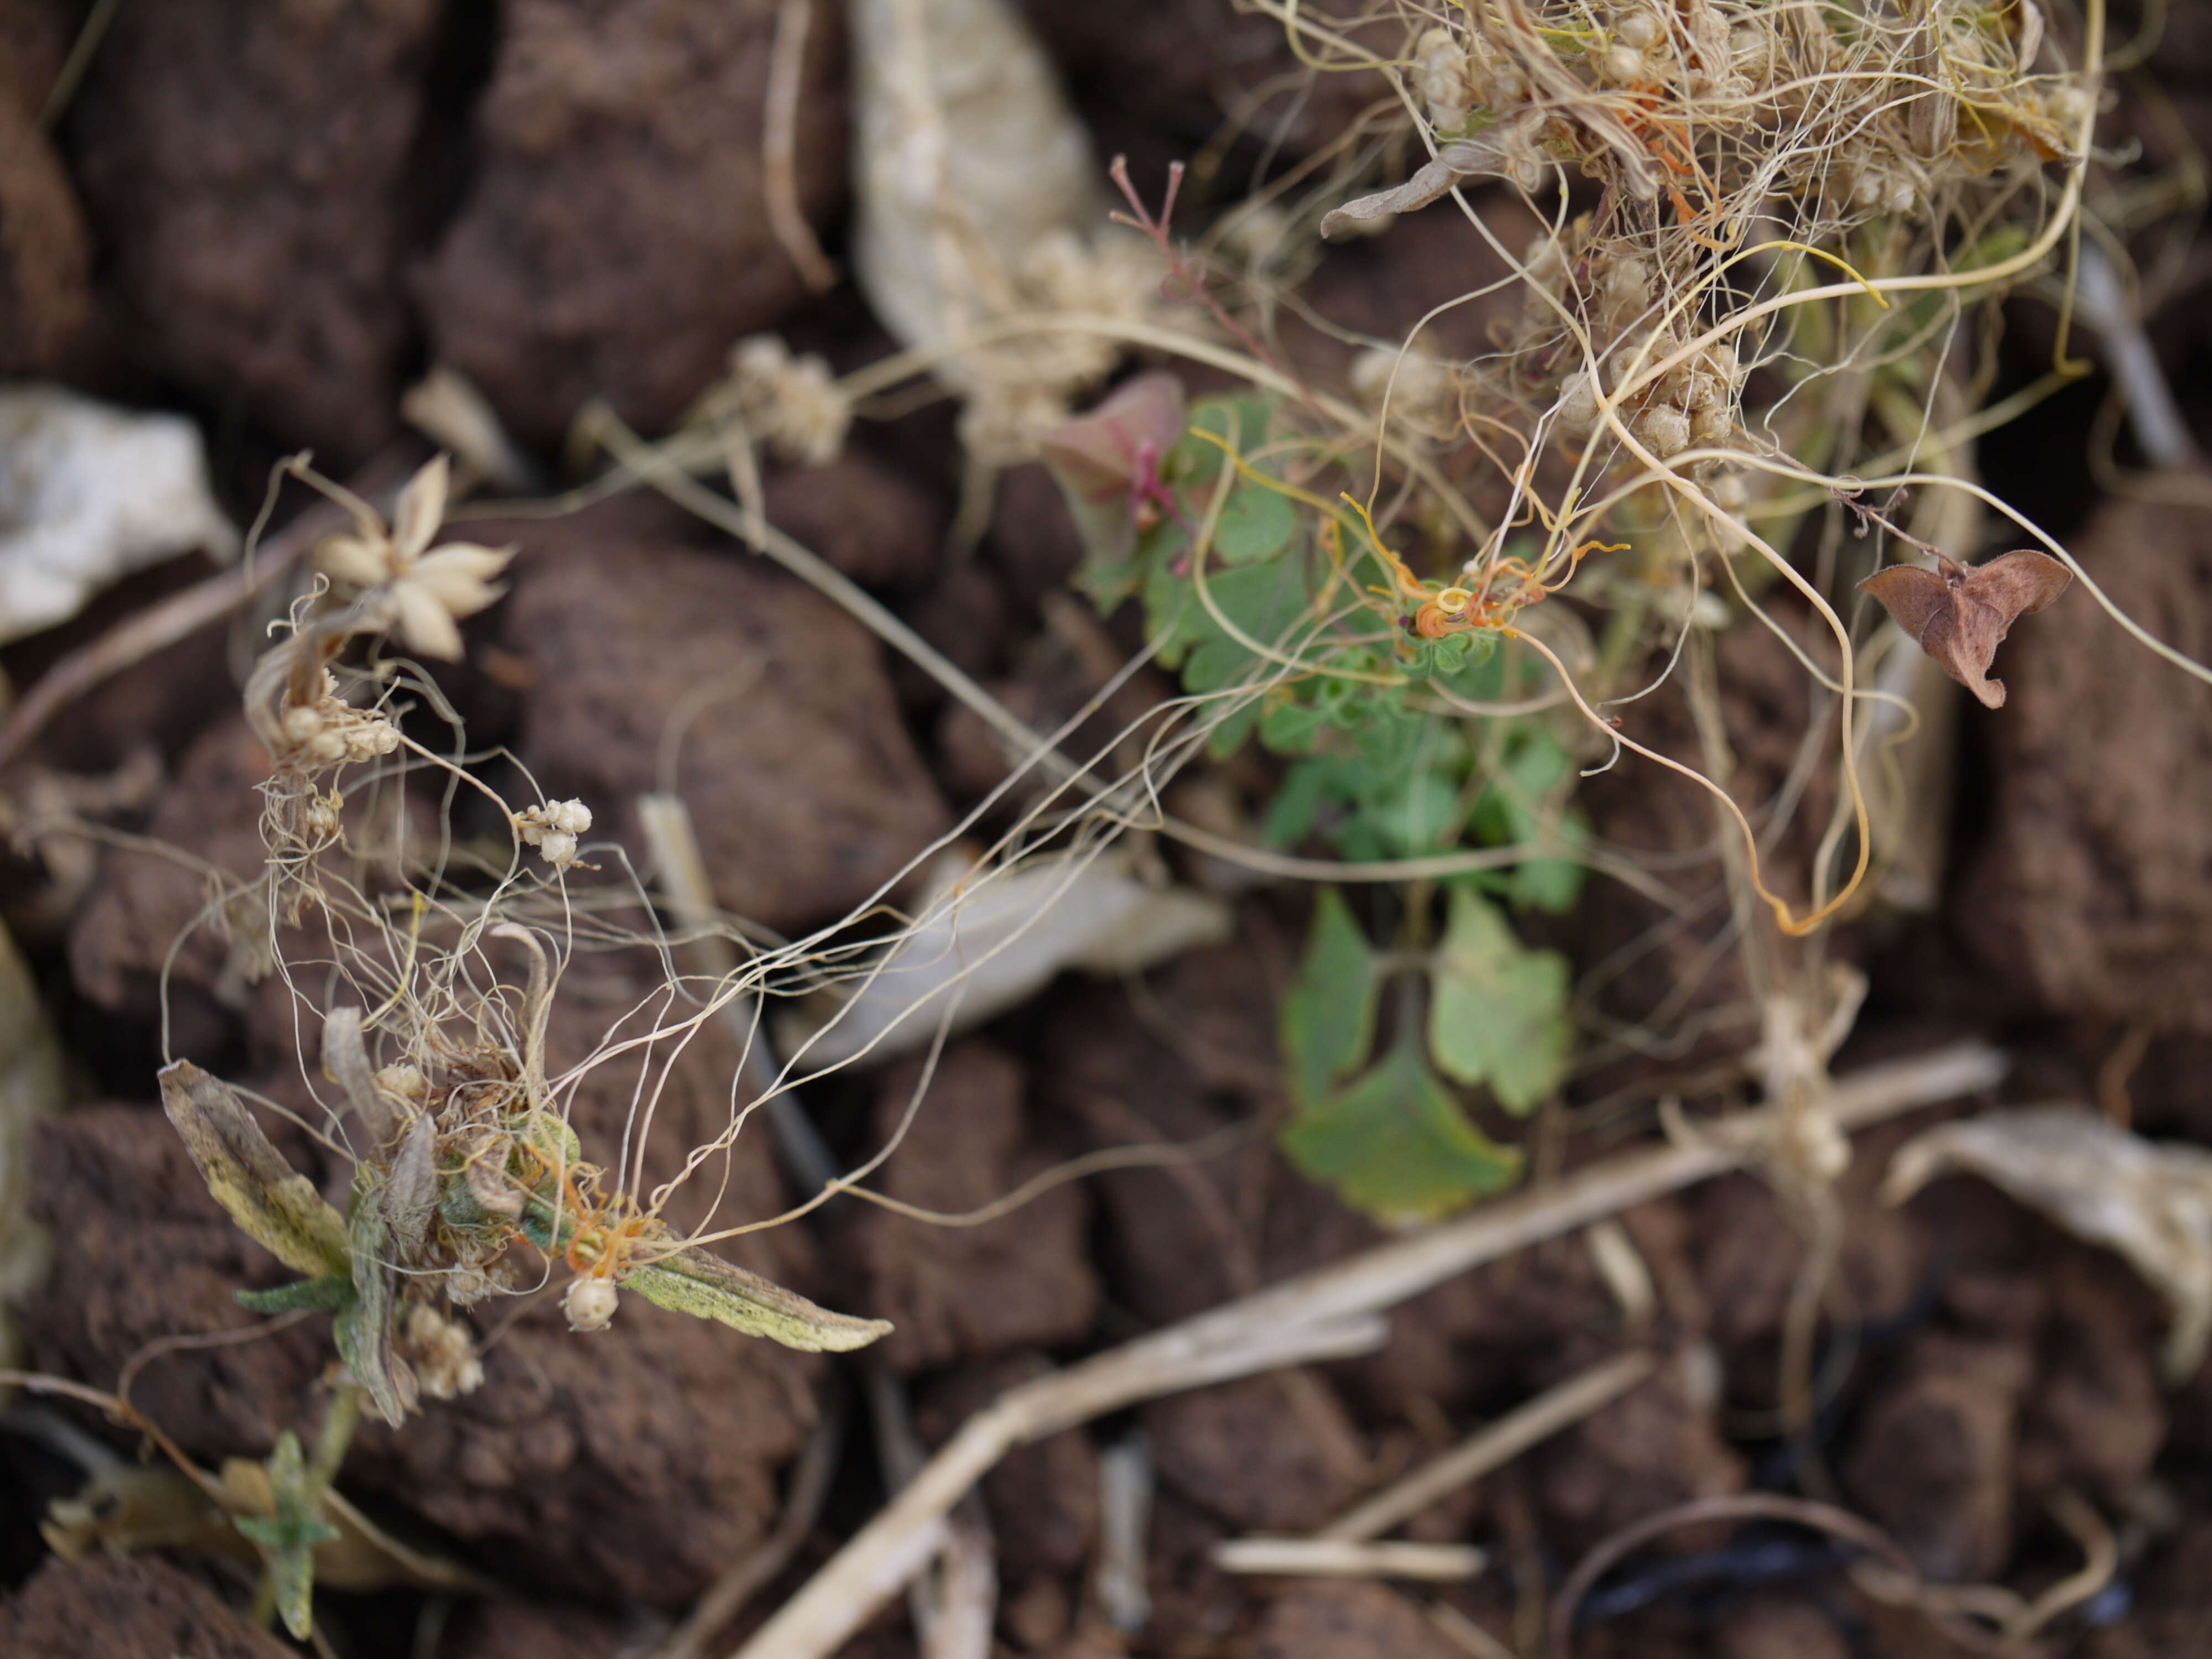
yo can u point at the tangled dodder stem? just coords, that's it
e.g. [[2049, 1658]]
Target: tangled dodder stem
[[1331, 1312]]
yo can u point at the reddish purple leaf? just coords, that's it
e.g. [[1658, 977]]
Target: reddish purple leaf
[[1108, 462], [1960, 613]]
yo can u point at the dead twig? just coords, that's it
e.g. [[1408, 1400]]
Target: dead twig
[[1348, 1557], [780, 148], [1330, 1313], [1499, 1442]]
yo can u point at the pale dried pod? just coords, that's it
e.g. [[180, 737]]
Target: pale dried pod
[[1711, 423], [1623, 286], [1664, 430], [1577, 402], [590, 1303], [1639, 29], [1501, 84], [1751, 52], [1443, 77], [1415, 385], [444, 1356], [403, 1082], [2029, 17], [302, 724], [1623, 65]]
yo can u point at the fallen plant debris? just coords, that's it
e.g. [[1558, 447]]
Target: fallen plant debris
[[2150, 1201], [89, 494]]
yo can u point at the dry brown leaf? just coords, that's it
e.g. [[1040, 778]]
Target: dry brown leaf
[[1961, 613]]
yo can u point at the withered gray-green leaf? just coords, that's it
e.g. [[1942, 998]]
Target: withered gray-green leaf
[[272, 1203], [411, 1188], [322, 1295], [363, 1330], [704, 1286]]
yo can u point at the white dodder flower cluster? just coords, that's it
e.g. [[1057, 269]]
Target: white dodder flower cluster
[[330, 732], [443, 1357], [555, 830]]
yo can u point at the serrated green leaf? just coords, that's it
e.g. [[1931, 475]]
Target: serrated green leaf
[[708, 1287], [1536, 768], [324, 1295], [271, 1203], [1240, 420], [1291, 815], [1257, 523], [1394, 1144], [1551, 884], [1420, 812], [1497, 1011], [1327, 1016], [1291, 728]]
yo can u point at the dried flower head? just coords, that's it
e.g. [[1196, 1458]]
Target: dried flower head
[[555, 830], [421, 590], [445, 1360], [794, 403]]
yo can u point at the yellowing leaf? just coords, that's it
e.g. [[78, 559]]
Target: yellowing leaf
[[1497, 1010], [1395, 1144], [708, 1287], [1328, 1019], [272, 1203]]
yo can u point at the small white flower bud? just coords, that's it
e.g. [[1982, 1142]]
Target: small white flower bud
[[559, 849], [301, 723], [590, 1303]]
